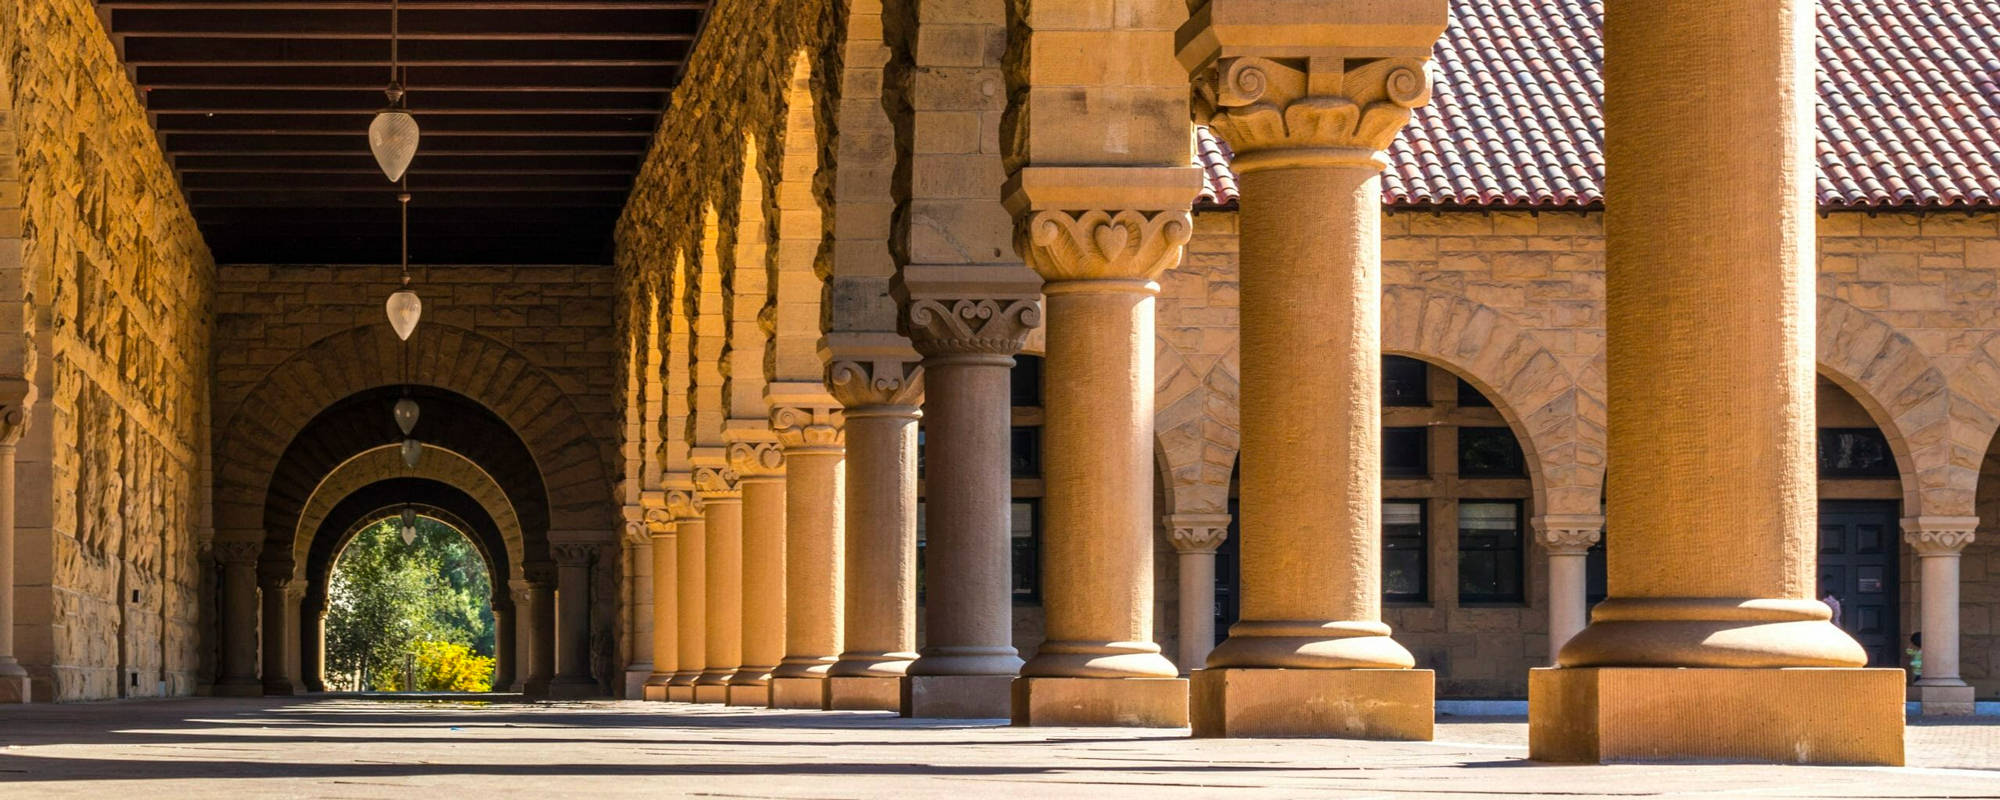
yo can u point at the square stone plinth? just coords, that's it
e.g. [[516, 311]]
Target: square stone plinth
[[680, 694], [958, 696], [656, 692], [754, 696], [635, 684], [864, 694], [1798, 716], [239, 689], [560, 690], [1384, 704], [15, 689], [1943, 701], [1100, 702], [711, 693], [808, 693]]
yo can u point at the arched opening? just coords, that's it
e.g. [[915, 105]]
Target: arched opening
[[410, 606], [1458, 561], [1860, 505]]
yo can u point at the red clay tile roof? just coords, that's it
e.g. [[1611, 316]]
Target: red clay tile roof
[[1909, 111]]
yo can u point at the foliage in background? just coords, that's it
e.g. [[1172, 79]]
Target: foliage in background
[[386, 599], [452, 667]]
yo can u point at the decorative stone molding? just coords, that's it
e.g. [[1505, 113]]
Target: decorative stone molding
[[1197, 533], [659, 523], [974, 326], [717, 483], [635, 524], [573, 554], [1939, 536], [1568, 534], [1285, 112], [17, 396], [684, 503], [757, 459], [237, 552], [1104, 244], [274, 575], [523, 594], [806, 428], [541, 574], [879, 381]]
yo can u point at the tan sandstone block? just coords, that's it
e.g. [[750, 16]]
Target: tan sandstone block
[[1385, 704], [1101, 702], [680, 694], [1801, 716], [809, 693], [753, 696], [957, 696], [864, 694], [707, 693]]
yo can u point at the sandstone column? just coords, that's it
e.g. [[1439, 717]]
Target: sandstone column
[[690, 592], [315, 619], [273, 580], [1310, 99], [573, 626], [722, 549], [1195, 538], [1568, 540], [1709, 283], [968, 663], [809, 431], [16, 396], [1939, 542], [542, 644], [666, 600], [238, 676], [639, 604], [879, 397], [503, 645], [524, 632], [761, 467]]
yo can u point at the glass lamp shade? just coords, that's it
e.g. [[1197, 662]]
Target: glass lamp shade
[[404, 310], [412, 451], [409, 526], [393, 138], [406, 415]]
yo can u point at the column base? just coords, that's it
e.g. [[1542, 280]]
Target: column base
[[1101, 702], [16, 689], [241, 687], [1943, 700], [748, 695], [279, 688], [864, 694], [1796, 716], [804, 693], [574, 689], [958, 696], [711, 693], [656, 693], [635, 683], [536, 688], [1382, 704], [680, 693]]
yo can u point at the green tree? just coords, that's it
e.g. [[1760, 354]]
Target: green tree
[[385, 599]]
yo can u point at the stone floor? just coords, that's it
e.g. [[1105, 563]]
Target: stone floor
[[357, 747]]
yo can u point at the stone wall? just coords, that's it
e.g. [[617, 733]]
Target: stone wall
[[1513, 303], [118, 286]]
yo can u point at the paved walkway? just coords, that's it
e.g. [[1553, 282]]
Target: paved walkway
[[351, 747]]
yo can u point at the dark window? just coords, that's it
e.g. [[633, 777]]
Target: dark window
[[1027, 381], [1855, 453], [1594, 569], [1490, 453], [1405, 382], [1406, 453], [920, 451], [1489, 552], [920, 547], [1027, 550], [1027, 453], [1470, 397], [1228, 576], [1404, 575]]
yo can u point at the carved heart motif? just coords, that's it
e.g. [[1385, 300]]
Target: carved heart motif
[[1110, 240]]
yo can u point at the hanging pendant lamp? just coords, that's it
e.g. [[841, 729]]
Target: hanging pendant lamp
[[406, 415], [413, 451], [404, 308], [409, 526], [393, 136]]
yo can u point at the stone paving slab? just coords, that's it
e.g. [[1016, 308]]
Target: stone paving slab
[[362, 748]]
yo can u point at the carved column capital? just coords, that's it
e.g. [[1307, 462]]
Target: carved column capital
[[634, 516], [1197, 533], [274, 575], [237, 552], [1568, 534], [808, 428], [717, 483], [659, 524], [1285, 112], [1939, 536], [572, 554], [1102, 223], [883, 380], [682, 501], [17, 396], [757, 459], [972, 326]]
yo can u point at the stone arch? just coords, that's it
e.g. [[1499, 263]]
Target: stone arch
[[1195, 432], [437, 464], [1909, 398], [1558, 416], [574, 465], [794, 309], [746, 291], [708, 335], [17, 348], [673, 424], [1975, 410]]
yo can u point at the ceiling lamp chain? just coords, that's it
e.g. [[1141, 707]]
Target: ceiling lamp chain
[[394, 133]]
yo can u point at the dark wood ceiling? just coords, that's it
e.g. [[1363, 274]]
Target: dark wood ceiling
[[535, 115]]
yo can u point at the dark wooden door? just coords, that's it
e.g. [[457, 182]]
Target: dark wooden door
[[1857, 562]]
